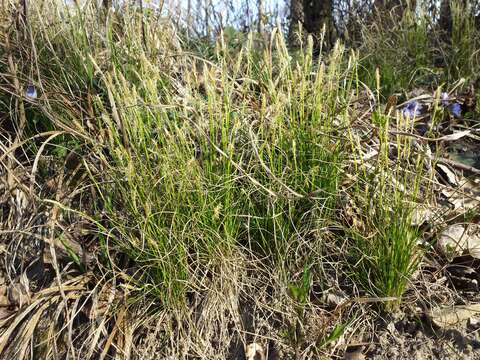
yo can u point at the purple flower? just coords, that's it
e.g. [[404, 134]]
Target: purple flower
[[31, 92], [456, 110], [411, 109], [444, 97]]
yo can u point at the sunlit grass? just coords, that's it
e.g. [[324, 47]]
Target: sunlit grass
[[248, 156], [200, 160]]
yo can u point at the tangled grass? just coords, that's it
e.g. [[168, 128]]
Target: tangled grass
[[191, 206]]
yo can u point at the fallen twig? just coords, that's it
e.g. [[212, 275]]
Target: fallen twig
[[459, 165]]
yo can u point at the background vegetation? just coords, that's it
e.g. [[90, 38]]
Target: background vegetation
[[176, 187]]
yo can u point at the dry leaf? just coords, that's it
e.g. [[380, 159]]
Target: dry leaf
[[457, 240], [455, 136], [473, 242], [449, 174], [452, 241], [421, 215], [466, 196], [453, 315], [334, 299], [474, 322]]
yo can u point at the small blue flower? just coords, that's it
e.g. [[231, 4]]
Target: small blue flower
[[456, 110], [31, 92], [412, 109]]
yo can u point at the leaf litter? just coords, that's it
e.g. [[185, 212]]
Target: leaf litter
[[451, 217]]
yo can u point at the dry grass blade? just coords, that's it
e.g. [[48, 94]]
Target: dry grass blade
[[37, 158], [102, 304], [42, 300], [116, 327], [25, 338], [4, 339], [14, 147]]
